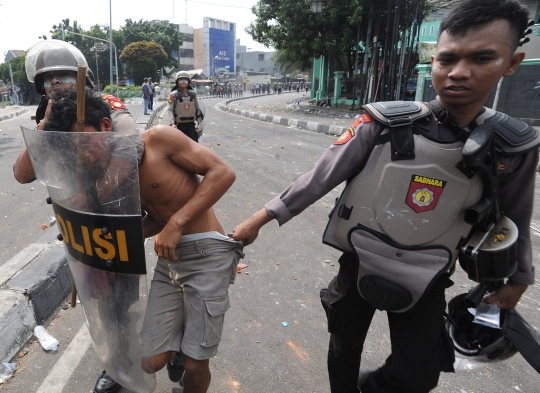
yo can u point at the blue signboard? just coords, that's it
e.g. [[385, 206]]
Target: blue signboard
[[222, 44]]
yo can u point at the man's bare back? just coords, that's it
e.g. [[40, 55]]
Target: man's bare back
[[176, 202]]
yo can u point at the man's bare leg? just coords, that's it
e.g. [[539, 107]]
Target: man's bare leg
[[197, 376]]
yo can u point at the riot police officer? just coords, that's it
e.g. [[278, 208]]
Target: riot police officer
[[52, 65], [184, 107], [402, 211]]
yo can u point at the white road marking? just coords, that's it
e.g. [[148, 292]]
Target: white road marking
[[65, 366]]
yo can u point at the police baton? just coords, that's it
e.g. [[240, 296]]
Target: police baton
[[81, 86]]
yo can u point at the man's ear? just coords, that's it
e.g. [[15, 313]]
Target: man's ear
[[106, 124], [515, 61]]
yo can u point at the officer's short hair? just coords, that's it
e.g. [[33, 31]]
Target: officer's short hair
[[64, 110], [476, 13]]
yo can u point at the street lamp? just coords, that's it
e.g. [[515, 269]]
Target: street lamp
[[317, 7]]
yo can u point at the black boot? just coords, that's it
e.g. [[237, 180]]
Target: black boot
[[175, 367], [105, 384]]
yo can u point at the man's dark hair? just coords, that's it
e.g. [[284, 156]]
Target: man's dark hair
[[476, 13], [64, 110]]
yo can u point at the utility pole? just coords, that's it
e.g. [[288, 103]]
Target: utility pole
[[13, 92]]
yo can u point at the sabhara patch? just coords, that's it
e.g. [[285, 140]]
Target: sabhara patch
[[424, 193], [364, 118], [345, 137]]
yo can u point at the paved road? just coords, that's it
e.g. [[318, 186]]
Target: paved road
[[286, 269]]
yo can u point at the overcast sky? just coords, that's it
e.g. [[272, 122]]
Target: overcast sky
[[23, 21]]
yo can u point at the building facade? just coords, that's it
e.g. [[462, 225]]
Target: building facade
[[186, 52], [214, 47]]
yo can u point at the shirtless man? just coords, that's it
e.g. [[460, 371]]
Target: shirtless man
[[197, 262]]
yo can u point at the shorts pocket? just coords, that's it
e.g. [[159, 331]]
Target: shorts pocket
[[213, 320]]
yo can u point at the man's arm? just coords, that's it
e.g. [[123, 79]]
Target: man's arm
[[194, 158], [517, 197], [338, 163]]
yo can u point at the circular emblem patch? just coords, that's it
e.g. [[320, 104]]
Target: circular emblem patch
[[422, 197]]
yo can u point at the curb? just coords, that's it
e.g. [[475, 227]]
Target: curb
[[32, 284], [14, 114], [302, 124]]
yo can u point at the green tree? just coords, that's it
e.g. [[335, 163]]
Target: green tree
[[143, 56], [342, 28], [287, 63], [164, 33], [19, 77]]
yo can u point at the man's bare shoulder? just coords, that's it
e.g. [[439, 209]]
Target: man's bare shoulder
[[162, 134]]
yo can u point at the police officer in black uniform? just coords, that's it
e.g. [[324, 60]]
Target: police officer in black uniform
[[400, 219], [184, 107]]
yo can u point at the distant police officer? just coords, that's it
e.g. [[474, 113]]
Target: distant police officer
[[184, 108], [52, 65], [401, 219]]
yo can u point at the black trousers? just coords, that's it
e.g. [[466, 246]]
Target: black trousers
[[189, 130], [421, 348], [151, 102]]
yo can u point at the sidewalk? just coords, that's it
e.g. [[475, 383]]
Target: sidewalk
[[292, 109], [12, 111]]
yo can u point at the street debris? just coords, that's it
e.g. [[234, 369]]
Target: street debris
[[48, 342], [44, 226], [6, 371], [240, 266], [285, 324]]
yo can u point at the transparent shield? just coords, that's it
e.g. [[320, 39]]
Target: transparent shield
[[92, 181]]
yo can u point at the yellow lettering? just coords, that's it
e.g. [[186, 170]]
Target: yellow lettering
[[417, 179], [74, 244], [104, 244], [86, 238], [122, 245], [62, 228]]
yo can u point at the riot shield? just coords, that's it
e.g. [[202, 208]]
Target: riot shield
[[93, 185]]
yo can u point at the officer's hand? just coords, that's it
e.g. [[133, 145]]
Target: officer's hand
[[507, 296], [166, 242], [249, 229], [43, 122]]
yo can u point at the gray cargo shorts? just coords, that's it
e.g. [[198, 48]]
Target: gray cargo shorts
[[189, 297]]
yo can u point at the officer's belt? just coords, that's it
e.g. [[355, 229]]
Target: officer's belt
[[186, 118]]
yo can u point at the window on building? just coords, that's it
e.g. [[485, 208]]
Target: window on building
[[237, 69], [238, 55], [431, 30], [261, 56], [188, 37], [186, 52], [423, 31]]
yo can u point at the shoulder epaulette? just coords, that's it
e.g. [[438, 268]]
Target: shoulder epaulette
[[397, 113], [115, 103], [512, 136]]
